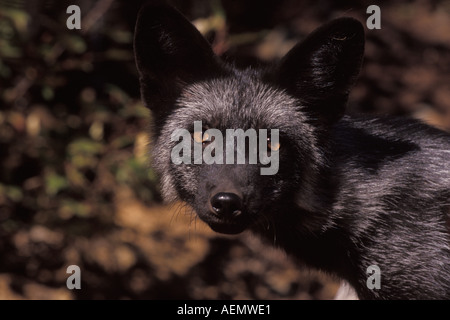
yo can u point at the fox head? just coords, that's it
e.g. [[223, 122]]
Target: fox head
[[302, 96]]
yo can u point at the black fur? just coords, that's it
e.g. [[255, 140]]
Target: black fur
[[350, 192]]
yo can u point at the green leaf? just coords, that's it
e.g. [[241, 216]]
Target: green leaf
[[54, 183], [83, 153], [13, 193], [85, 146], [71, 208]]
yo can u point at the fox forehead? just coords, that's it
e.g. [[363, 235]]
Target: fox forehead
[[239, 101]]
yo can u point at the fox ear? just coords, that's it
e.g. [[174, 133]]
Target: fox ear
[[321, 70], [170, 53]]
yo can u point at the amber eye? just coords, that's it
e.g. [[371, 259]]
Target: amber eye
[[273, 146], [201, 137], [198, 136]]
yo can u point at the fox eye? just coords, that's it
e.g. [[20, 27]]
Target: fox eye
[[201, 137], [273, 146], [198, 136]]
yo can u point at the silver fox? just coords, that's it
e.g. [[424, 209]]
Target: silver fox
[[350, 192]]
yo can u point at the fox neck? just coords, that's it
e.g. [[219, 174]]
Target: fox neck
[[331, 249]]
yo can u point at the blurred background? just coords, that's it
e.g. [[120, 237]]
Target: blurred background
[[76, 187]]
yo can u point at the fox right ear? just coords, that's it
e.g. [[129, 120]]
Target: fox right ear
[[321, 70], [170, 53]]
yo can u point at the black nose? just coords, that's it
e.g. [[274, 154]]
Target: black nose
[[226, 204]]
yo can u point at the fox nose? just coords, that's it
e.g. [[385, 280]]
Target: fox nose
[[226, 204]]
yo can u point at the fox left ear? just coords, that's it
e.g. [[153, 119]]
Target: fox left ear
[[170, 53], [321, 70]]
